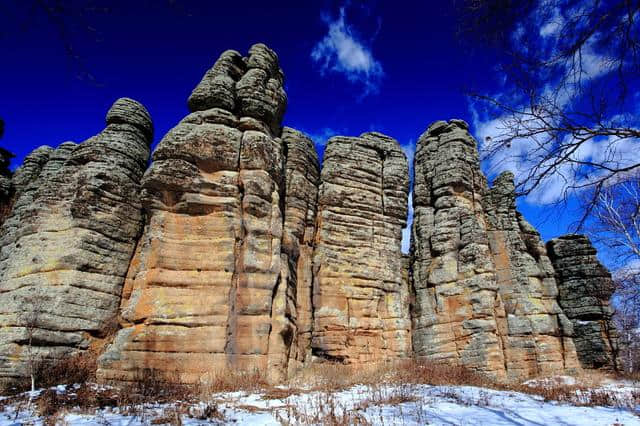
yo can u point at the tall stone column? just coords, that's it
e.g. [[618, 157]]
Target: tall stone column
[[458, 313], [585, 288], [538, 335], [206, 290], [66, 247], [302, 180], [360, 298]]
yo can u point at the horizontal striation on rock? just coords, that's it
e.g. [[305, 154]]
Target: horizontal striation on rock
[[294, 307], [199, 295], [235, 250], [360, 296], [67, 244], [457, 313], [585, 288], [537, 338], [6, 187]]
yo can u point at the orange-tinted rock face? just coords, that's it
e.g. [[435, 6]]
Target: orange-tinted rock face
[[485, 293], [234, 251], [206, 289], [458, 312], [66, 246], [360, 299], [302, 179], [538, 335]]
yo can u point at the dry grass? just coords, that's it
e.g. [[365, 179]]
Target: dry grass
[[323, 408], [333, 377], [230, 381], [381, 385]]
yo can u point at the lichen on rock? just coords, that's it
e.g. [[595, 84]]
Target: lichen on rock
[[585, 289], [66, 246], [360, 298]]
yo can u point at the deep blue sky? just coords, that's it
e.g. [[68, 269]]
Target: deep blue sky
[[156, 53]]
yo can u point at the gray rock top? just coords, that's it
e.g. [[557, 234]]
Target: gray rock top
[[129, 111], [248, 87]]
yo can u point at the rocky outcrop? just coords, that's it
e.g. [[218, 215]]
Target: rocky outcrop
[[360, 298], [537, 337], [485, 292], [302, 180], [206, 290], [67, 244], [6, 190], [458, 311], [585, 288], [233, 250]]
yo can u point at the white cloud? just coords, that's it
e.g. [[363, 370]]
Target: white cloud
[[410, 151], [525, 153], [563, 90], [320, 137], [341, 51], [550, 27]]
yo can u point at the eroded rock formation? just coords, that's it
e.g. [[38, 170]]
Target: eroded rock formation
[[66, 246], [360, 296], [485, 291], [585, 288], [458, 311], [302, 180], [206, 289], [234, 250], [6, 190], [537, 337]]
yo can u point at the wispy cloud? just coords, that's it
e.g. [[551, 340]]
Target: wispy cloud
[[342, 51], [523, 154], [320, 137]]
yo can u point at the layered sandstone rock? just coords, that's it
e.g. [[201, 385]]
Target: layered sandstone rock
[[66, 247], [6, 189], [360, 298], [485, 291], [458, 311], [206, 289], [585, 288], [537, 337], [302, 180], [234, 251]]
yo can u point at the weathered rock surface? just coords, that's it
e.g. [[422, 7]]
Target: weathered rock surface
[[537, 338], [302, 181], [67, 244], [6, 190], [360, 296], [233, 250], [484, 287], [206, 289], [585, 288], [458, 311]]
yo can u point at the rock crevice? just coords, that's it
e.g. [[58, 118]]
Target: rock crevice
[[234, 249], [66, 246]]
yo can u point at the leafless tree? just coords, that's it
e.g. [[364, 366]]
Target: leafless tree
[[32, 307], [571, 71], [615, 218], [615, 225]]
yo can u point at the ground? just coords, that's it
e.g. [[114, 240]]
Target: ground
[[383, 404]]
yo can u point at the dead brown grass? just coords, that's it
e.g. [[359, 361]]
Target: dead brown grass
[[385, 384], [333, 377]]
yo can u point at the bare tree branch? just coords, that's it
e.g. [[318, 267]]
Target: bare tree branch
[[566, 112]]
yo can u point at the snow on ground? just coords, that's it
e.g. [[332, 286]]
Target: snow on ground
[[380, 405]]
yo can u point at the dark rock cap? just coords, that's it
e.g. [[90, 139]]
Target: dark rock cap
[[129, 111]]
